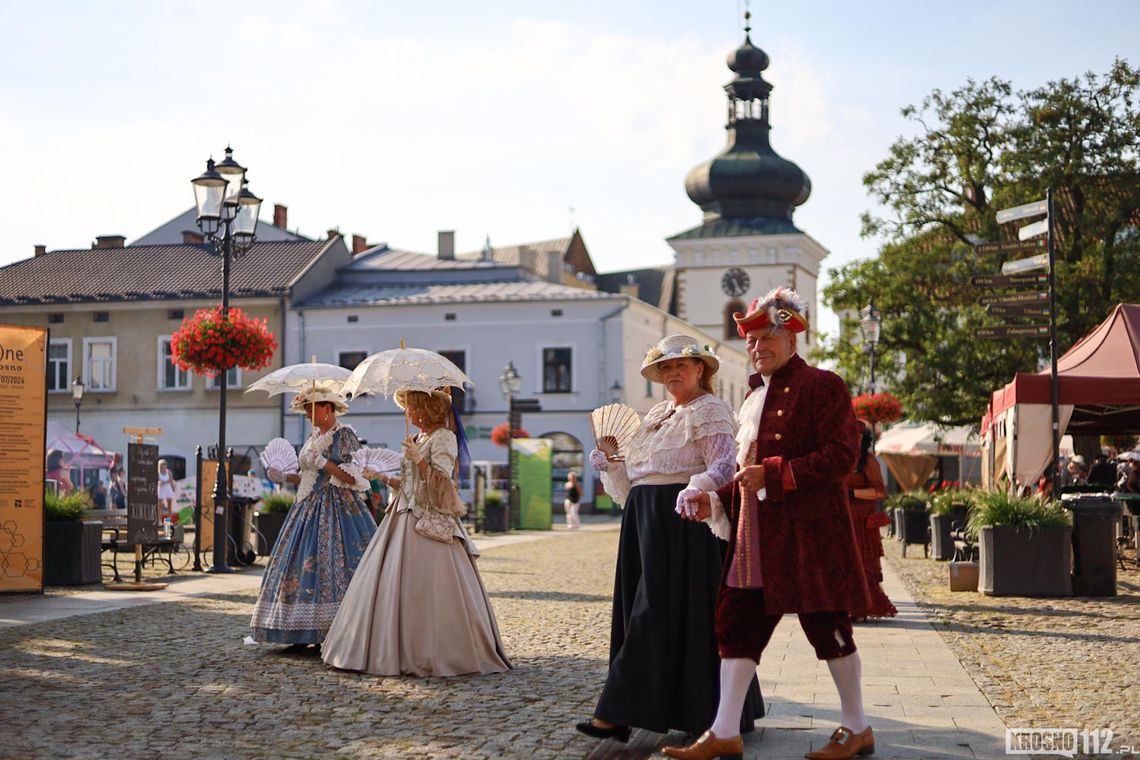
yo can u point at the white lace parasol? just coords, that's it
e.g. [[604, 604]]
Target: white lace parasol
[[299, 377], [415, 369]]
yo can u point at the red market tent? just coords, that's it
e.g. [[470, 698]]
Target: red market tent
[[80, 452], [1098, 391]]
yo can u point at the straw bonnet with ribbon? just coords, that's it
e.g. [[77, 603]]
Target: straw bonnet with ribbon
[[401, 395], [316, 396], [780, 307], [677, 347]]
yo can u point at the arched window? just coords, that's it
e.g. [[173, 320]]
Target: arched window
[[731, 308]]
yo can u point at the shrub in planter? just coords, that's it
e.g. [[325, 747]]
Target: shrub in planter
[[270, 517], [948, 508], [1024, 545], [72, 546], [494, 513], [911, 522]]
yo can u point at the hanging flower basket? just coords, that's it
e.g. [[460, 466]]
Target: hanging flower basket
[[877, 408], [209, 345], [500, 434]]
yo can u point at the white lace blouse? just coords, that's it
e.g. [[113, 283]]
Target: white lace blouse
[[693, 444]]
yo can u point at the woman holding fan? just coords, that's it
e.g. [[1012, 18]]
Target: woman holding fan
[[664, 668], [324, 535], [417, 605]]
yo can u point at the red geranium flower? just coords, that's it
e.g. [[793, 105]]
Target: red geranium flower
[[500, 434], [207, 344], [877, 407]]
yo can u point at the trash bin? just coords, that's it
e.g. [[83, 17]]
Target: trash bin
[[1094, 544], [494, 516]]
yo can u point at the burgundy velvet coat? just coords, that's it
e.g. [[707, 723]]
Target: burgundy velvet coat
[[808, 556]]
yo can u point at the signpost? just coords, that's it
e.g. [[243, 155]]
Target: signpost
[[142, 503], [1010, 280], [1026, 265], [1013, 299], [1035, 304], [1012, 331]]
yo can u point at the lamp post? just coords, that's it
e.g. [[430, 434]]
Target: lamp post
[[615, 391], [227, 217], [510, 383], [77, 388], [872, 325]]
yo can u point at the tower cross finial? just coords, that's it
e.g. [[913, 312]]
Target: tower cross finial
[[747, 18]]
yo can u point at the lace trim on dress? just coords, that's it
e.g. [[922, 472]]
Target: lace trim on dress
[[318, 442], [669, 427]]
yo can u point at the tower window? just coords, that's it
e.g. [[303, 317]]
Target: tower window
[[731, 308]]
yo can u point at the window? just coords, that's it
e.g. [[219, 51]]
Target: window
[[55, 318], [175, 313], [730, 308], [170, 378], [101, 316], [59, 366], [556, 370], [349, 359], [458, 395], [233, 379], [99, 364]]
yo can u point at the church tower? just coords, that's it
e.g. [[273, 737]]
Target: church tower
[[747, 243]]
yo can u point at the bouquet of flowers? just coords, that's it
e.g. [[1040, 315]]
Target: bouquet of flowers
[[500, 434], [208, 344], [877, 408]]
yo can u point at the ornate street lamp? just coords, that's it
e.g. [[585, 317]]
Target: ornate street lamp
[[227, 217], [872, 325], [510, 383], [77, 388], [615, 391]]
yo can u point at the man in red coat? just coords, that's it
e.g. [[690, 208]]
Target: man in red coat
[[792, 546]]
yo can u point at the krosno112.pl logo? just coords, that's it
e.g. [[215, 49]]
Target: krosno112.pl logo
[[1068, 742]]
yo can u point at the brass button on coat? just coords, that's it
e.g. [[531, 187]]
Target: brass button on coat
[[780, 413], [787, 389], [779, 437]]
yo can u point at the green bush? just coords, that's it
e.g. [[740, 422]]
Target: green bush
[[69, 508], [1000, 508], [278, 502], [906, 500], [492, 498], [942, 502]]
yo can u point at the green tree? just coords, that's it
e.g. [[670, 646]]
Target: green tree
[[978, 149]]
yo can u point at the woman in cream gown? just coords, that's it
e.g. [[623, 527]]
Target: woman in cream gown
[[417, 606]]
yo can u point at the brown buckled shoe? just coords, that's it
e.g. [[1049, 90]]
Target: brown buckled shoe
[[709, 747], [845, 745]]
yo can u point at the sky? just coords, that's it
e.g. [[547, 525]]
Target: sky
[[517, 120]]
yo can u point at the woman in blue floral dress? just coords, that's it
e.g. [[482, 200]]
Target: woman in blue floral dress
[[324, 535]]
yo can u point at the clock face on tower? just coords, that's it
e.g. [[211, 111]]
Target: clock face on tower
[[735, 282]]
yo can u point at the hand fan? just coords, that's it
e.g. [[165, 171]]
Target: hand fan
[[279, 454], [614, 425], [376, 460]]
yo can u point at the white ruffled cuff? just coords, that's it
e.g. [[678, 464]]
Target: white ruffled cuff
[[702, 481], [718, 521], [360, 483], [616, 482]]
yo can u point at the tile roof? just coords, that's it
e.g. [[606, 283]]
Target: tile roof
[[532, 256], [146, 272], [383, 258], [383, 295], [653, 284], [170, 233], [738, 228]]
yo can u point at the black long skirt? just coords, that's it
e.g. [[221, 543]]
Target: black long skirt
[[664, 669]]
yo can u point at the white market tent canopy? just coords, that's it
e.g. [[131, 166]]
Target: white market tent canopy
[[911, 450]]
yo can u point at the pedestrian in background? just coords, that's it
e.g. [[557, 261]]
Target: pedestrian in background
[[571, 502]]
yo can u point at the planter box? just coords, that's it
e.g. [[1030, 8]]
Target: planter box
[[72, 553], [963, 576], [268, 529], [1016, 562], [941, 545], [914, 528]]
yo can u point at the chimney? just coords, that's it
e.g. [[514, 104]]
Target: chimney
[[446, 245], [631, 288], [528, 258], [280, 215], [333, 233], [359, 244], [192, 237], [41, 250], [554, 266], [110, 241]]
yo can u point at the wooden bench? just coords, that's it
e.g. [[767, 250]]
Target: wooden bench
[[115, 540]]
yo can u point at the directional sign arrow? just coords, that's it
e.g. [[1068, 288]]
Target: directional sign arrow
[[1012, 331], [1033, 230], [1010, 280], [1013, 299], [1011, 246], [999, 310], [1040, 261], [1036, 208]]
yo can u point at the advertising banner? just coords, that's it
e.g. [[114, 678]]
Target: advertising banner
[[534, 461], [209, 479], [23, 399]]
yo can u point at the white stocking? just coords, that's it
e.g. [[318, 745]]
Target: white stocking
[[735, 676], [847, 672]]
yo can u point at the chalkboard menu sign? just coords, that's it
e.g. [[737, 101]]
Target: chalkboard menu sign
[[142, 493]]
